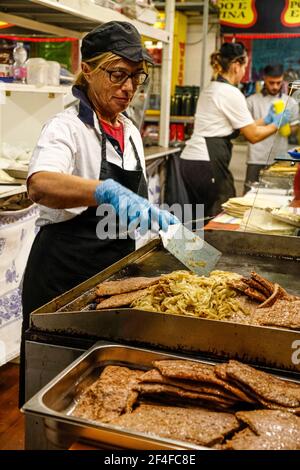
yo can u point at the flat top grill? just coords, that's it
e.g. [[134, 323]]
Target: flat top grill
[[276, 258]]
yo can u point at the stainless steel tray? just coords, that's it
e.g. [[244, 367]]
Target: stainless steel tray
[[55, 402], [275, 257]]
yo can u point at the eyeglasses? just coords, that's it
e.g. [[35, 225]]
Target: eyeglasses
[[119, 76]]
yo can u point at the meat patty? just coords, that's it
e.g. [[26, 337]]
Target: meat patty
[[278, 293], [125, 285], [196, 371], [256, 285], [112, 394], [268, 430], [241, 286], [194, 425], [199, 398], [263, 281], [154, 376], [248, 440], [271, 422], [121, 300], [283, 313], [265, 387]]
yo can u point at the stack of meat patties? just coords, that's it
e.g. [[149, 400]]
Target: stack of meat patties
[[112, 294], [197, 403], [276, 307]]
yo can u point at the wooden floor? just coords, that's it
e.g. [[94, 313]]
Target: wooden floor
[[11, 419]]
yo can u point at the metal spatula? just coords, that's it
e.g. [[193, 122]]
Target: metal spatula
[[190, 249]]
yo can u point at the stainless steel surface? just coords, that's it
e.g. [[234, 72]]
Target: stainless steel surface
[[57, 359], [190, 249], [274, 257], [55, 402]]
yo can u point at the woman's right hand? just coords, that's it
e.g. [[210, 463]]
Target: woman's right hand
[[134, 206], [281, 119], [268, 119], [278, 120]]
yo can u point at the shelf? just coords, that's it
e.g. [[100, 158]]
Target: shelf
[[153, 152], [68, 17], [74, 18], [24, 88], [25, 109], [173, 119]]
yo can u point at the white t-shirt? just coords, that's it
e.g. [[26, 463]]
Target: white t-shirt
[[68, 145], [221, 109], [264, 152]]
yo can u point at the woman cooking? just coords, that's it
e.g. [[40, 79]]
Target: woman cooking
[[221, 114], [84, 159]]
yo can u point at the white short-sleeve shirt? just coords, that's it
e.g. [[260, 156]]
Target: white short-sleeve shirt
[[70, 145], [221, 109]]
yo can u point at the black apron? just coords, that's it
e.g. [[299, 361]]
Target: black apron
[[67, 253], [220, 152]]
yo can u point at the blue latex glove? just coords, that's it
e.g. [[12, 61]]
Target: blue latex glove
[[136, 207], [281, 119], [164, 218], [268, 119]]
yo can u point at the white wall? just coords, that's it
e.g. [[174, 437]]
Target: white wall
[[194, 53]]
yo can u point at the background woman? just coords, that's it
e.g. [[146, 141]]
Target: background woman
[[221, 114]]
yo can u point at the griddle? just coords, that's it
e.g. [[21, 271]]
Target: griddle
[[274, 257]]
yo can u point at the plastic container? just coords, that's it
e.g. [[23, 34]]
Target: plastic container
[[19, 66], [37, 72], [53, 73], [279, 106]]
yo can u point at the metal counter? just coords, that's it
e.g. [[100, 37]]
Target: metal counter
[[54, 404]]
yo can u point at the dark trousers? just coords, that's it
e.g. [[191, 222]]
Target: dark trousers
[[199, 182]]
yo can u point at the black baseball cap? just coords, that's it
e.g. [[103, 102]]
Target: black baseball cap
[[119, 37]]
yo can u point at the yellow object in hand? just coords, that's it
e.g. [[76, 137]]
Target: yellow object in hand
[[279, 106]]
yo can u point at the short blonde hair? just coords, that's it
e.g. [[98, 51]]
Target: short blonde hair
[[104, 60]]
